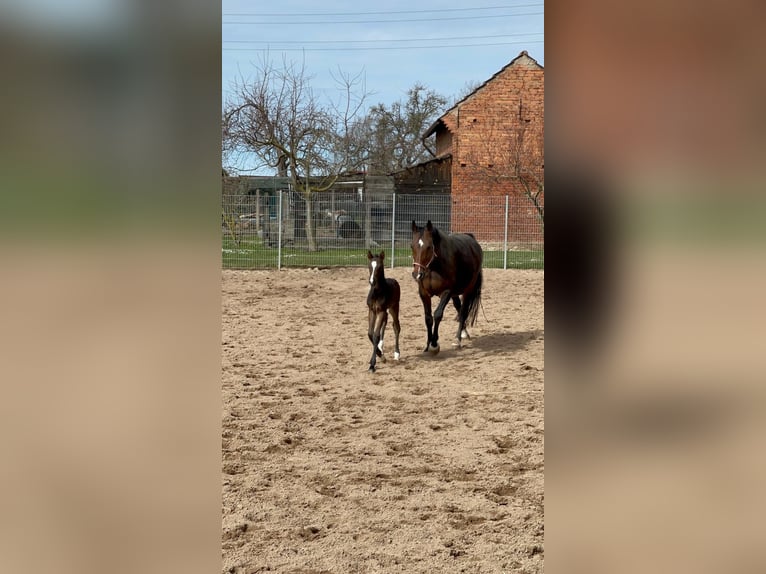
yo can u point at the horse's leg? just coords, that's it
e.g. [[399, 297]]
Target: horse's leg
[[383, 323], [461, 331], [456, 303], [370, 324], [438, 314], [380, 340], [395, 320], [471, 300], [426, 299], [371, 335], [379, 319]]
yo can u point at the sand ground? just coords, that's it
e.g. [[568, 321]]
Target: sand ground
[[431, 464]]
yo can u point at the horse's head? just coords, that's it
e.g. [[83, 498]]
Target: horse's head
[[375, 267], [425, 242]]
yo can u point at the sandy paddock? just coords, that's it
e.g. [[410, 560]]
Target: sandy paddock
[[431, 464]]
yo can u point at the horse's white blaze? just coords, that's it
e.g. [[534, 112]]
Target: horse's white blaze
[[420, 242], [396, 355], [374, 264]]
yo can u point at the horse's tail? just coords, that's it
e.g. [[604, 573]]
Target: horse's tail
[[472, 301]]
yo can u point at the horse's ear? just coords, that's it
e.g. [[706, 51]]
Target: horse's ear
[[369, 254], [382, 255], [436, 238], [414, 226], [429, 227]]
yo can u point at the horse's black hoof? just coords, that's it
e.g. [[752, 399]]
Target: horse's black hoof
[[371, 369]]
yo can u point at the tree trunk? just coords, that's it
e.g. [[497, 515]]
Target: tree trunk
[[534, 197], [282, 165], [540, 209]]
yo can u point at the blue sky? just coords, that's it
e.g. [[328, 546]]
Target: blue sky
[[481, 38]]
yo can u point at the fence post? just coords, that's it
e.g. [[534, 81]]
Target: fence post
[[505, 238], [367, 218], [279, 233], [393, 229]]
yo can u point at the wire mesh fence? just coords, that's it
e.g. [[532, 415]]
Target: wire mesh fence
[[282, 228]]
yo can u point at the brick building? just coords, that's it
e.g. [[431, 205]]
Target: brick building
[[491, 139]]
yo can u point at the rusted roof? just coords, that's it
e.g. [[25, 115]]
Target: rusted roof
[[422, 163]]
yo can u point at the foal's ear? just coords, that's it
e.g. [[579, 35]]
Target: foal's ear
[[369, 254], [382, 255], [429, 227], [414, 226]]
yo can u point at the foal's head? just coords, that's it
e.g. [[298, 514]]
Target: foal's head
[[375, 267], [424, 244]]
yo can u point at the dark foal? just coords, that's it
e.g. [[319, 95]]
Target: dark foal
[[382, 299]]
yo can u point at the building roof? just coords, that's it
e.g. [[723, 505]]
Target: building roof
[[523, 55], [438, 159]]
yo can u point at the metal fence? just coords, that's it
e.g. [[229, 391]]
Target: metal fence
[[270, 229]]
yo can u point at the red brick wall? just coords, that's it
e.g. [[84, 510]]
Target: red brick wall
[[480, 126]]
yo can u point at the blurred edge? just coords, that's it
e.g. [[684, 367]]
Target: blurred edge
[[656, 327], [109, 172], [111, 291]]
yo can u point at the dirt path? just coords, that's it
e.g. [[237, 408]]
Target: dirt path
[[432, 464]]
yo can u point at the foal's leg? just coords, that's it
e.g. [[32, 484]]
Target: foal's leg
[[395, 319], [379, 319], [370, 324], [438, 314], [371, 335], [383, 323]]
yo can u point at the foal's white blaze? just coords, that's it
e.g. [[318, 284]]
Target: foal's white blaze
[[374, 264], [420, 242]]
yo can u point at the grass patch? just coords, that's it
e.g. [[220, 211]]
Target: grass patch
[[254, 254]]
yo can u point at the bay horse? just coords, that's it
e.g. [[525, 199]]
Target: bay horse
[[450, 266], [382, 299]]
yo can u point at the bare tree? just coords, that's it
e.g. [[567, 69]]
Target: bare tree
[[278, 117], [526, 152], [394, 132]]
